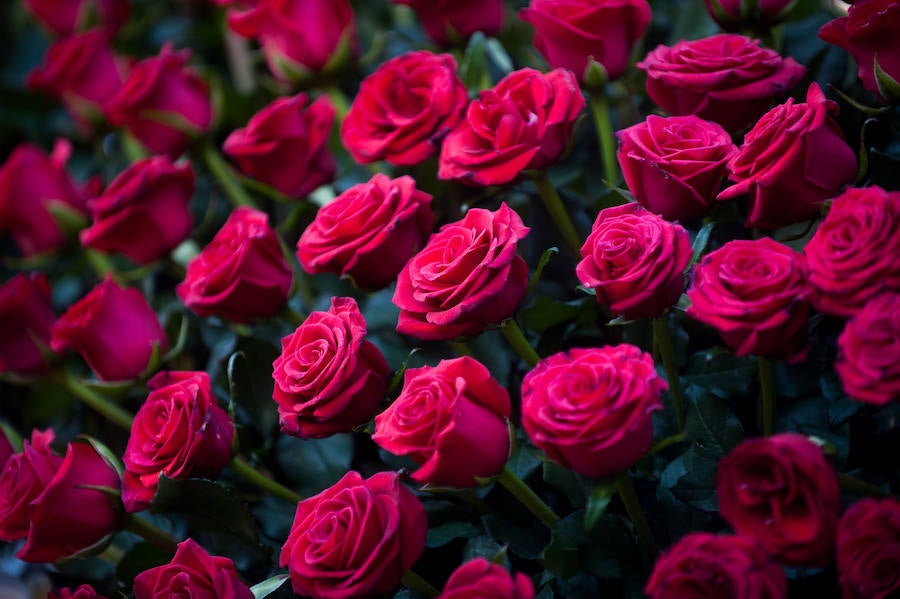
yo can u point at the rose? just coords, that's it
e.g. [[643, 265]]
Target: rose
[[524, 122], [113, 328], [634, 261], [6, 449], [163, 103], [853, 254], [702, 565], [868, 351], [368, 232], [328, 378], [467, 276], [85, 591], [780, 491], [868, 549], [192, 573], [404, 109], [453, 419], [179, 431], [674, 166], [591, 409], [65, 17], [483, 579], [755, 294], [144, 213], [285, 145], [724, 78], [449, 22], [755, 15], [570, 32], [26, 316], [22, 479], [379, 525], [241, 274], [792, 160]]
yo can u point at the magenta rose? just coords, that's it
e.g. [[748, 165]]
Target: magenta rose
[[450, 22], [485, 580], [285, 145], [6, 449], [675, 166], [752, 15], [65, 17], [26, 316], [355, 539], [453, 419], [85, 591], [467, 276], [368, 232], [868, 549], [23, 477], [868, 360], [591, 409], [192, 573]]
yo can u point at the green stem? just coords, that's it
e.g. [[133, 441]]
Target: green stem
[[558, 213], [667, 351], [527, 497], [340, 103], [767, 390], [101, 263], [633, 507], [416, 583], [603, 123], [460, 348], [860, 487], [237, 195], [517, 340], [151, 533], [243, 469], [97, 402]]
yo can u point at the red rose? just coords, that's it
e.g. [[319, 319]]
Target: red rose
[[524, 122], [65, 17], [22, 479], [483, 579], [85, 591], [674, 166], [404, 109], [26, 316], [448, 22], [702, 565], [285, 145], [755, 294], [467, 276], [792, 160], [868, 549], [113, 328], [634, 260], [853, 254], [328, 378], [453, 419], [780, 491], [355, 539], [569, 32], [144, 213], [180, 431], [368, 232], [753, 15], [591, 409], [6, 449], [869, 352], [192, 573], [725, 78], [242, 274], [163, 103]]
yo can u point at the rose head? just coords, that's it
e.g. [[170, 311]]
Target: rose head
[[591, 409], [634, 261], [285, 145], [85, 591], [524, 122], [241, 274], [192, 573], [26, 316], [452, 22], [755, 15], [780, 491], [328, 378], [869, 352], [868, 549], [22, 479], [355, 539], [404, 109], [483, 579], [725, 78], [453, 419], [674, 166], [65, 17], [369, 232], [467, 276]]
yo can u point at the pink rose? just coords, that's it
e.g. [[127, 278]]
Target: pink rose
[[868, 360], [449, 22], [23, 476], [85, 591], [65, 17], [26, 316], [192, 573], [485, 580], [868, 549]]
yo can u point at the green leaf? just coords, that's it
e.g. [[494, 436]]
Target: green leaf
[[498, 56], [206, 505], [566, 481], [700, 243], [562, 554], [268, 586], [539, 269], [526, 458], [711, 423], [720, 372], [524, 542], [481, 546], [314, 464], [142, 556], [597, 503], [440, 535], [473, 68], [696, 485]]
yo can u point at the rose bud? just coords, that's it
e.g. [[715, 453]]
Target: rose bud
[[65, 17], [453, 419], [591, 409], [179, 431], [114, 329], [868, 549], [369, 232], [26, 316], [328, 378], [380, 524], [285, 145], [675, 166], [467, 276], [853, 254], [481, 578], [868, 362], [524, 122], [724, 78], [703, 565], [192, 573], [755, 294], [452, 22], [634, 261], [780, 491], [22, 479], [85, 591], [144, 213], [570, 32], [163, 103], [241, 274], [404, 109], [792, 160], [754, 15]]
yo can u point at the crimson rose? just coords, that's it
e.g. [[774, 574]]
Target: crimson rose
[[485, 580], [23, 476], [26, 316], [868, 549], [869, 352], [192, 573], [85, 591]]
